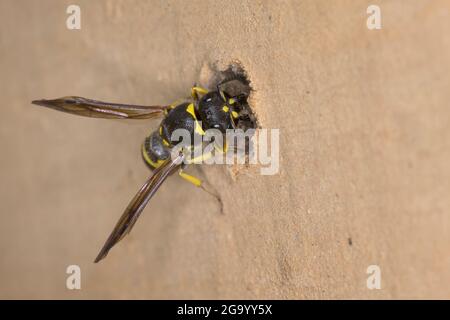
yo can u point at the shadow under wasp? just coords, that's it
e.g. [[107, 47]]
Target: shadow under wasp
[[223, 108]]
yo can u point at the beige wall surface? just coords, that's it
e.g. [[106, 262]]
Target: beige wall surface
[[364, 151]]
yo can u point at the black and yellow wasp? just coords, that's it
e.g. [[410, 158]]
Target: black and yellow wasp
[[205, 109]]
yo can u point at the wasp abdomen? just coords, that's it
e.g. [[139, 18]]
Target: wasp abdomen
[[154, 151]]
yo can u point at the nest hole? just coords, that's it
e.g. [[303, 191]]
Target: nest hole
[[235, 83]]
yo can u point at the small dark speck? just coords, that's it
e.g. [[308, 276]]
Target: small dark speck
[[350, 242], [270, 17]]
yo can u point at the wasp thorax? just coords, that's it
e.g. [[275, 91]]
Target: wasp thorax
[[215, 112]]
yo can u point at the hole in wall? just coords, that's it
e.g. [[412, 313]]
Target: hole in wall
[[234, 81]]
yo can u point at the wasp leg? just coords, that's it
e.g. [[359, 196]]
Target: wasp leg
[[194, 180], [198, 183], [195, 91], [221, 149]]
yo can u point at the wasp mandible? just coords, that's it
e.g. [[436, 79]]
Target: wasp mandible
[[216, 109]]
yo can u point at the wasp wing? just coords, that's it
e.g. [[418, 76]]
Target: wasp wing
[[98, 109], [140, 200]]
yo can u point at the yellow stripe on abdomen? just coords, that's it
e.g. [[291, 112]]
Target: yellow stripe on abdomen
[[150, 161]]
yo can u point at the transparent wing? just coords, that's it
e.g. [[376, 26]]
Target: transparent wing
[[140, 200], [98, 109]]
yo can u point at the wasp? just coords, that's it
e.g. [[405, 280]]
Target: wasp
[[217, 109]]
